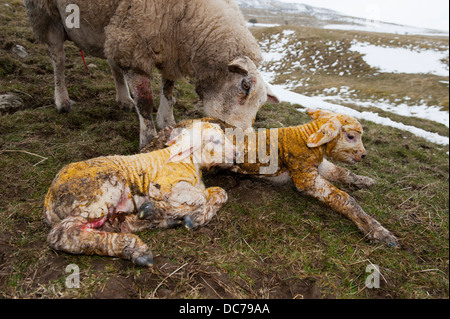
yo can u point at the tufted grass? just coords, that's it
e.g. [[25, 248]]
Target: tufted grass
[[267, 242]]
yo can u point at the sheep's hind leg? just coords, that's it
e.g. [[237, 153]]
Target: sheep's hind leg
[[165, 117], [141, 88], [55, 43], [76, 235]]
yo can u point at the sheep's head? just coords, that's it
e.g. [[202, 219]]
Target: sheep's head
[[342, 135], [205, 142], [236, 98]]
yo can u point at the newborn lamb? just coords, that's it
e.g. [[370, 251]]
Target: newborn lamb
[[89, 200]]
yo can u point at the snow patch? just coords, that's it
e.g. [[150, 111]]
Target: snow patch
[[401, 60], [315, 103]]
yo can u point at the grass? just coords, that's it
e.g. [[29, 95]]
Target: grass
[[267, 242]]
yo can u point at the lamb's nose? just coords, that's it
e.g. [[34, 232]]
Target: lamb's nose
[[363, 156]]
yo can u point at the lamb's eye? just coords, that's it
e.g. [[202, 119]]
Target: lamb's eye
[[246, 85], [351, 137]]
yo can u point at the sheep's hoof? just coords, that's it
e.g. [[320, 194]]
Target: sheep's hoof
[[64, 107], [187, 222], [144, 261], [125, 104], [146, 211]]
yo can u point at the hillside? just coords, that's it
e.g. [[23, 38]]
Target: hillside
[[268, 241], [282, 13]]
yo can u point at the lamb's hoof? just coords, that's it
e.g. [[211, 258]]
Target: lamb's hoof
[[386, 237], [146, 211], [187, 222], [392, 241], [144, 261], [364, 182]]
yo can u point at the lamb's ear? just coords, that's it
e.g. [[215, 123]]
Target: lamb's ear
[[183, 149], [184, 145], [174, 136], [179, 155], [325, 134], [239, 65], [316, 114]]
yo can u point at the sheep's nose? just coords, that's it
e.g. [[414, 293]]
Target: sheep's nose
[[363, 156]]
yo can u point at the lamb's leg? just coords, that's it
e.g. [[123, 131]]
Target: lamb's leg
[[141, 88], [76, 235], [187, 205], [338, 174], [315, 185], [55, 45], [165, 117], [123, 97], [216, 197]]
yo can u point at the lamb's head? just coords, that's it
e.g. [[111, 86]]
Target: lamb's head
[[236, 97], [205, 142], [341, 134]]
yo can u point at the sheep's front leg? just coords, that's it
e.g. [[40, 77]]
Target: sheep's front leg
[[338, 174], [165, 117], [123, 97], [141, 88], [76, 235], [311, 183]]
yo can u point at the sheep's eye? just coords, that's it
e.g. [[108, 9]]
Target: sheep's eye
[[351, 137], [217, 142], [246, 85]]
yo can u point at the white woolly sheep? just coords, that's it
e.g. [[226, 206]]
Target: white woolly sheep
[[204, 39]]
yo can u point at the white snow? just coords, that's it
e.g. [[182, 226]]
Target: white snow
[[383, 27], [261, 25], [401, 60], [432, 113], [315, 103], [412, 59]]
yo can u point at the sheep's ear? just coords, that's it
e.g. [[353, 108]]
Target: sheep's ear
[[239, 65], [271, 97], [325, 134]]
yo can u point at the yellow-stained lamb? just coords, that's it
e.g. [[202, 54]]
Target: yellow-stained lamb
[[95, 205], [302, 158]]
